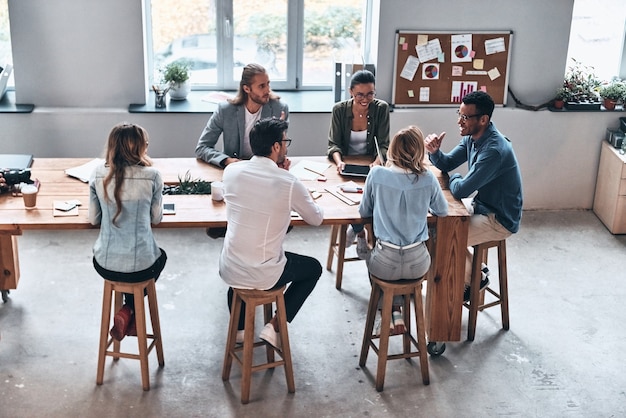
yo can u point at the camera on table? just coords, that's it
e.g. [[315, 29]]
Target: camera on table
[[14, 176]]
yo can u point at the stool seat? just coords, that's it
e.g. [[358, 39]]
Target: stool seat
[[477, 298], [253, 298], [138, 290], [409, 289]]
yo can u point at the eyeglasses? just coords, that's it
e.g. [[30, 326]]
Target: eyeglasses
[[464, 118], [368, 96], [288, 141]]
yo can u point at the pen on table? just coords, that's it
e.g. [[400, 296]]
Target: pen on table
[[351, 189], [322, 176]]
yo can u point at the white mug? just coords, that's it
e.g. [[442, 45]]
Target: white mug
[[217, 190]]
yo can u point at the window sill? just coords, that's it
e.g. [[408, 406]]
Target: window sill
[[8, 105], [197, 102]]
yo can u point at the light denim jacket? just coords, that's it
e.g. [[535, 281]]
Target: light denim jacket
[[130, 246]]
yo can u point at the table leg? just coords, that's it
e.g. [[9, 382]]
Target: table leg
[[9, 261], [446, 278]]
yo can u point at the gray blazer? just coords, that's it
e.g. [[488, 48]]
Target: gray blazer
[[229, 120]]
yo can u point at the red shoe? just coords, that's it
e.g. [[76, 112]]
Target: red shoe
[[121, 321], [132, 327]]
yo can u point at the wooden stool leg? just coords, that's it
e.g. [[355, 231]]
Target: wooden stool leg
[[369, 324], [474, 292], [284, 339], [341, 253], [421, 333], [104, 330], [267, 316], [504, 287], [383, 348], [331, 246], [142, 340], [248, 347], [156, 323], [232, 335], [406, 316]]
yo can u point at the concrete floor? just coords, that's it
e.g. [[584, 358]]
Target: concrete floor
[[562, 356]]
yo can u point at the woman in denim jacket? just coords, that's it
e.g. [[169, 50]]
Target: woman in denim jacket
[[125, 199]]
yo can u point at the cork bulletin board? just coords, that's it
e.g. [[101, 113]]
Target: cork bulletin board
[[433, 68]]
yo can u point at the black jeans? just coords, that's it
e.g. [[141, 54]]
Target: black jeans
[[154, 271], [302, 272]]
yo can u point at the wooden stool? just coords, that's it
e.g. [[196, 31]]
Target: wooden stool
[[405, 288], [138, 290], [477, 298], [253, 298], [338, 247]]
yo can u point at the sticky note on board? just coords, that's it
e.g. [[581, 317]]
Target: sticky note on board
[[478, 64], [410, 93], [493, 73], [422, 39], [402, 40]]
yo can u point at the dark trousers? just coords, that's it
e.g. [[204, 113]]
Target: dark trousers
[[154, 271], [302, 272]]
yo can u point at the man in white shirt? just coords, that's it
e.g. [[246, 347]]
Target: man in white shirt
[[259, 199]]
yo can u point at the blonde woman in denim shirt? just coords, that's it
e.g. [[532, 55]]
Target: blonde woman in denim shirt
[[398, 197], [125, 199]]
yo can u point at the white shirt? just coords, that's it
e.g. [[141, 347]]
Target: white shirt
[[250, 120], [259, 199], [358, 143]]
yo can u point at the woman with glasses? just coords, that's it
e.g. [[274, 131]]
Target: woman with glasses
[[125, 196], [356, 125]]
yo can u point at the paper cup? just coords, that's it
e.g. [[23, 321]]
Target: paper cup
[[29, 192], [217, 190]]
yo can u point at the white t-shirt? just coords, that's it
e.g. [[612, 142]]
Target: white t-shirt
[[358, 143], [259, 199], [251, 119]]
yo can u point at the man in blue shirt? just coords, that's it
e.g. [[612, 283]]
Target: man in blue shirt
[[493, 172]]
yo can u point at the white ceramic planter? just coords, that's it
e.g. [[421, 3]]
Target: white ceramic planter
[[179, 91]]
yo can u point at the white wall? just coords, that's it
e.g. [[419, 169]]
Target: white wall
[[85, 57]]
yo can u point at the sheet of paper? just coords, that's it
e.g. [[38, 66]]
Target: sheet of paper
[[493, 46], [309, 170], [430, 51], [410, 68], [83, 172], [461, 48], [424, 94]]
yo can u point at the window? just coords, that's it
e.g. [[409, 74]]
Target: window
[[6, 56], [597, 36], [218, 37]]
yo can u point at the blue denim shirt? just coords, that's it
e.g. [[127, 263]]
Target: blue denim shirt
[[399, 203], [130, 246], [493, 171]]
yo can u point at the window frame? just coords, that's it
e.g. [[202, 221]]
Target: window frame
[[225, 46]]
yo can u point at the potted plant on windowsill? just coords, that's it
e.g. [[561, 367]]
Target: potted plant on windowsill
[[582, 84], [561, 96], [176, 74], [612, 93]]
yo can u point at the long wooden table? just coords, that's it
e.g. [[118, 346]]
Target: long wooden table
[[445, 281]]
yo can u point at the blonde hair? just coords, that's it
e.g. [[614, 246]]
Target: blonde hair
[[406, 150], [127, 146]]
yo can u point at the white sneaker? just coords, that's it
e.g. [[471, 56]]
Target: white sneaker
[[362, 248], [269, 335], [350, 236], [239, 338]]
